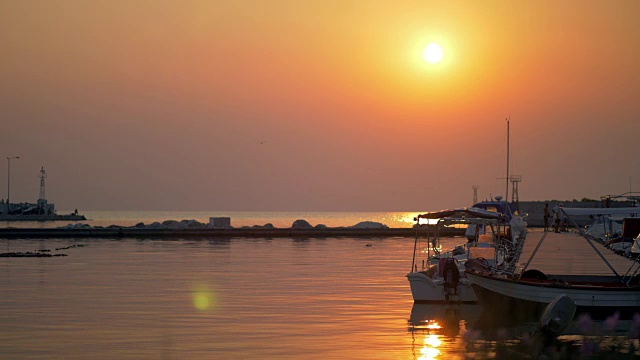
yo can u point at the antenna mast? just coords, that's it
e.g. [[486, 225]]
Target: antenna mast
[[42, 176], [506, 194], [475, 194]]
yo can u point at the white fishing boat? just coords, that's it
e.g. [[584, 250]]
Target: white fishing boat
[[531, 290], [494, 243], [597, 295], [438, 276]]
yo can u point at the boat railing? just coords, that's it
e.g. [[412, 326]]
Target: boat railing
[[514, 256]]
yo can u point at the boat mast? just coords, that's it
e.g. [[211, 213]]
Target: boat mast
[[506, 193]]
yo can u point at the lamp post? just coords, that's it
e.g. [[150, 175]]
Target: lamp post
[[9, 180]]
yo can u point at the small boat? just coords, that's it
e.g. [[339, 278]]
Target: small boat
[[494, 243], [531, 291], [599, 296], [439, 276]]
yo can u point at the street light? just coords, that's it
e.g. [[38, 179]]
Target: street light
[[9, 180]]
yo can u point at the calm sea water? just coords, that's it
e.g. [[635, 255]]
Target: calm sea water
[[222, 299], [242, 299]]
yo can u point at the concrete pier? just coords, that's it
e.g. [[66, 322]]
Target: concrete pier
[[570, 253]]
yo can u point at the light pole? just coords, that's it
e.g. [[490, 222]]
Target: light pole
[[9, 180]]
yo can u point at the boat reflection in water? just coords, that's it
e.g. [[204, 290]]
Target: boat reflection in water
[[444, 331], [445, 318], [438, 330]]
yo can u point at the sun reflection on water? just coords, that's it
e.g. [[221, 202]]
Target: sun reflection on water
[[429, 352], [432, 342], [410, 218], [430, 349], [431, 249], [439, 331]]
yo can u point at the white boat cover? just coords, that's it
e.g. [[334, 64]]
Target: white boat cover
[[628, 211], [604, 228]]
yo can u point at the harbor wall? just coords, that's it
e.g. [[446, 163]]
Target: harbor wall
[[42, 218], [111, 232]]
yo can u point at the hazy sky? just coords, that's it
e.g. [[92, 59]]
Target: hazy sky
[[316, 105]]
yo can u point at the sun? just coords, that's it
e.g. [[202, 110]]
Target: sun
[[432, 53]]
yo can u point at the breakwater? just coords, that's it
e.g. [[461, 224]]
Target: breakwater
[[70, 217], [111, 232]]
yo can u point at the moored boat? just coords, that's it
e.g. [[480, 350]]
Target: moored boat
[[600, 296], [438, 276], [495, 234], [530, 291]]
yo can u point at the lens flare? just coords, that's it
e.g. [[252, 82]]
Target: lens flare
[[203, 298]]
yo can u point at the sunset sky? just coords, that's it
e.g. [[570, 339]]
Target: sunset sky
[[316, 105]]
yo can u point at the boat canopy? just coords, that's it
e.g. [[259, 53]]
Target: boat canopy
[[629, 211], [470, 212]]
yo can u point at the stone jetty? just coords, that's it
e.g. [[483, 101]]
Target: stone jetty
[[194, 229]]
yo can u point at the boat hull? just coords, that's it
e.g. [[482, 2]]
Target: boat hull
[[426, 290], [529, 299]]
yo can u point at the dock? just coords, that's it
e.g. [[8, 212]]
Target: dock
[[570, 253]]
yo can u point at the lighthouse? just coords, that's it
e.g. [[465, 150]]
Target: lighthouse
[[43, 207]]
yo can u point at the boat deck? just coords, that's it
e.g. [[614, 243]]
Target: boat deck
[[570, 253]]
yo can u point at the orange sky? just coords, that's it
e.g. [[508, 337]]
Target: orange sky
[[164, 105]]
